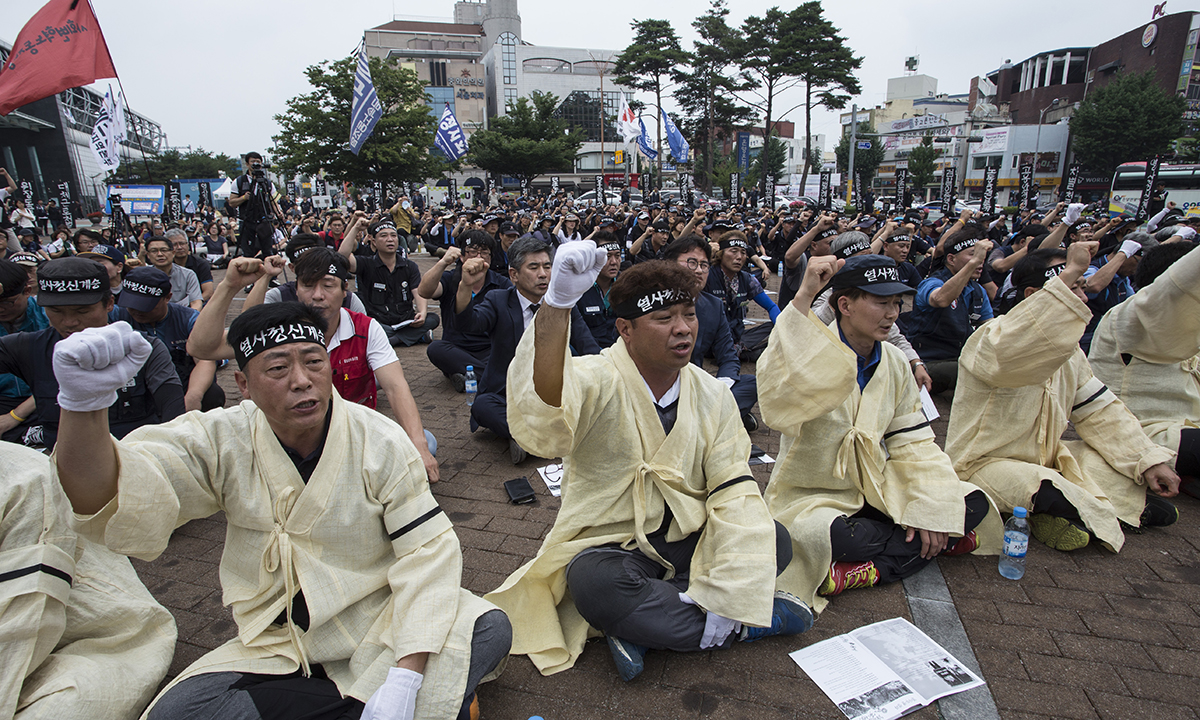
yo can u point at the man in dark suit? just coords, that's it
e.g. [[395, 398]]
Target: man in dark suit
[[714, 338], [504, 314]]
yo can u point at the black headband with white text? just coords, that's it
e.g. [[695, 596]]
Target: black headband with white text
[[649, 301], [274, 337]]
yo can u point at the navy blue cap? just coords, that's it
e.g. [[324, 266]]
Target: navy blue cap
[[143, 288]]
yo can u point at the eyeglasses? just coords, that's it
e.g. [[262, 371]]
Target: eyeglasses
[[477, 252], [695, 264], [158, 250]]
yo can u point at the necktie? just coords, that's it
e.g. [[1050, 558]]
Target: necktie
[[534, 308]]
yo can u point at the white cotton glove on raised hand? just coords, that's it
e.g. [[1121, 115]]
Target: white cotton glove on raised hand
[[1130, 248], [93, 364], [576, 266], [396, 698], [716, 627], [1074, 212], [1186, 233]]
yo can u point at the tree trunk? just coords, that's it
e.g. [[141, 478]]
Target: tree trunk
[[766, 138], [708, 143], [807, 134]]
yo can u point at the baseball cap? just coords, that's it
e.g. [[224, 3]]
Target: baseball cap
[[661, 226], [876, 274], [849, 243], [72, 281], [509, 228], [107, 252], [143, 288], [25, 259]]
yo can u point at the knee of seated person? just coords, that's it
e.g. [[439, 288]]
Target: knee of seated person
[[783, 548]]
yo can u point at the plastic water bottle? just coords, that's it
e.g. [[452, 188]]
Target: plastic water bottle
[[472, 386], [1016, 545], [780, 268]]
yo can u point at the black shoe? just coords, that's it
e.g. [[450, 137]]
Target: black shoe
[[1159, 512], [516, 453], [749, 422], [459, 382]]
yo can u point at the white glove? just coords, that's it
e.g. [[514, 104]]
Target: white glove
[[1074, 211], [716, 627], [92, 365], [728, 381], [396, 698], [1185, 232], [1130, 248], [576, 266]]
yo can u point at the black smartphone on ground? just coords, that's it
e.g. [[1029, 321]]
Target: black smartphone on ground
[[520, 492]]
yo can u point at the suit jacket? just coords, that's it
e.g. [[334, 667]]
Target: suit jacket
[[500, 317], [714, 339]]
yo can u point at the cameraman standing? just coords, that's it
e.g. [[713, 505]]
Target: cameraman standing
[[253, 198]]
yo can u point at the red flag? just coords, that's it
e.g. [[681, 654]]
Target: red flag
[[60, 47]]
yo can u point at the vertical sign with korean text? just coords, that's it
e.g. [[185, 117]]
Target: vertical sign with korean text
[[987, 203], [1028, 196], [64, 203], [901, 186], [174, 209], [553, 184], [825, 192], [735, 188], [205, 197], [1073, 172], [1143, 211], [949, 190]]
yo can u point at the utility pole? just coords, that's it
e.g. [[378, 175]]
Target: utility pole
[[853, 142]]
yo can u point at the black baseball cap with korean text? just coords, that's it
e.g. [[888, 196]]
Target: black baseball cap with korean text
[[143, 288], [72, 281], [876, 274]]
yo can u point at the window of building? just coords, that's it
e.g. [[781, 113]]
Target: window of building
[[510, 96], [986, 161], [437, 74], [546, 65], [584, 109], [438, 98], [508, 56]]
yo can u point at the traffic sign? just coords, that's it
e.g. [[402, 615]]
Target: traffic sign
[[864, 144]]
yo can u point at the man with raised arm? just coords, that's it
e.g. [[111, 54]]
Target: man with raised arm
[[666, 543], [342, 572]]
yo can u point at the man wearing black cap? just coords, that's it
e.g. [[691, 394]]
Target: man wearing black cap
[[297, 246], [737, 287], [950, 305], [651, 243], [387, 285], [456, 349], [113, 261], [504, 314], [593, 305], [504, 237], [145, 304], [867, 496], [342, 572], [19, 312], [665, 544], [815, 242], [75, 294], [1106, 281]]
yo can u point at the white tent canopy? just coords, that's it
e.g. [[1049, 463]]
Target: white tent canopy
[[225, 190]]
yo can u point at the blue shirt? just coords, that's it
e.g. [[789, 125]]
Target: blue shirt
[[866, 365], [12, 386]]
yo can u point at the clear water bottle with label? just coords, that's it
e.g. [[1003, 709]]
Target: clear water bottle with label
[[1016, 545], [472, 386], [780, 268]]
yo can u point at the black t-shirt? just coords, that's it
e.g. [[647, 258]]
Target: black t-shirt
[[388, 294], [201, 267], [254, 209]]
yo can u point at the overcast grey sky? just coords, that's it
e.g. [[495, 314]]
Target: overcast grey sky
[[215, 73]]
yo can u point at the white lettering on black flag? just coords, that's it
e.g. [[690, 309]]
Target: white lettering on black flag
[[365, 108], [1028, 196], [64, 203], [1072, 180], [450, 138], [988, 202], [1143, 211]]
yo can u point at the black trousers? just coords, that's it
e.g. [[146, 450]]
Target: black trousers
[[871, 535], [249, 696], [1188, 461], [491, 411], [451, 359], [623, 593]]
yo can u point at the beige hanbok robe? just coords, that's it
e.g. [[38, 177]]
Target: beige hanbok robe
[[619, 473], [1145, 350], [842, 447], [376, 558], [1021, 379], [80, 636]]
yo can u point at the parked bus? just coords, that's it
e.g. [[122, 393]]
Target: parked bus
[[1182, 182]]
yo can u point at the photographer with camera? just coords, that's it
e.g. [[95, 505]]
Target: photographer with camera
[[256, 206]]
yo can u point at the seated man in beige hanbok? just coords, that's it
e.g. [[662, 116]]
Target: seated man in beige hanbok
[[82, 637], [663, 540], [1022, 378], [342, 572], [860, 485], [1147, 350]]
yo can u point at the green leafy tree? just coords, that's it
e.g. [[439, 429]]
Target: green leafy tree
[[1129, 119], [705, 88], [315, 130], [172, 164], [824, 64], [768, 163], [528, 141], [647, 63], [922, 162], [866, 162]]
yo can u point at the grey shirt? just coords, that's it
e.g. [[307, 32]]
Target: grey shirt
[[185, 286]]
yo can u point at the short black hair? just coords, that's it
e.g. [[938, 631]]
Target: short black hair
[[84, 232], [253, 154], [479, 237], [13, 279], [314, 265], [261, 317], [649, 276], [603, 236], [853, 293], [525, 246], [158, 238], [1030, 272], [684, 245], [1157, 260]]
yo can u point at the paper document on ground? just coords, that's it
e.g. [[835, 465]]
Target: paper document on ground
[[884, 670], [761, 460], [931, 411], [552, 475]]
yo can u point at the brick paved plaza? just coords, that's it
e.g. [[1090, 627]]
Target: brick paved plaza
[[1082, 635]]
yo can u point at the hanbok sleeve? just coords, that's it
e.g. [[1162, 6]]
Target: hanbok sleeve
[[1026, 346], [805, 372], [1161, 323]]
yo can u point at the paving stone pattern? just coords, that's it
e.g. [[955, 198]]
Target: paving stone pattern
[[1082, 635]]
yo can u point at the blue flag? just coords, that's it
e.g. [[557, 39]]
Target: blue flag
[[365, 108], [679, 146], [644, 142], [450, 138]]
